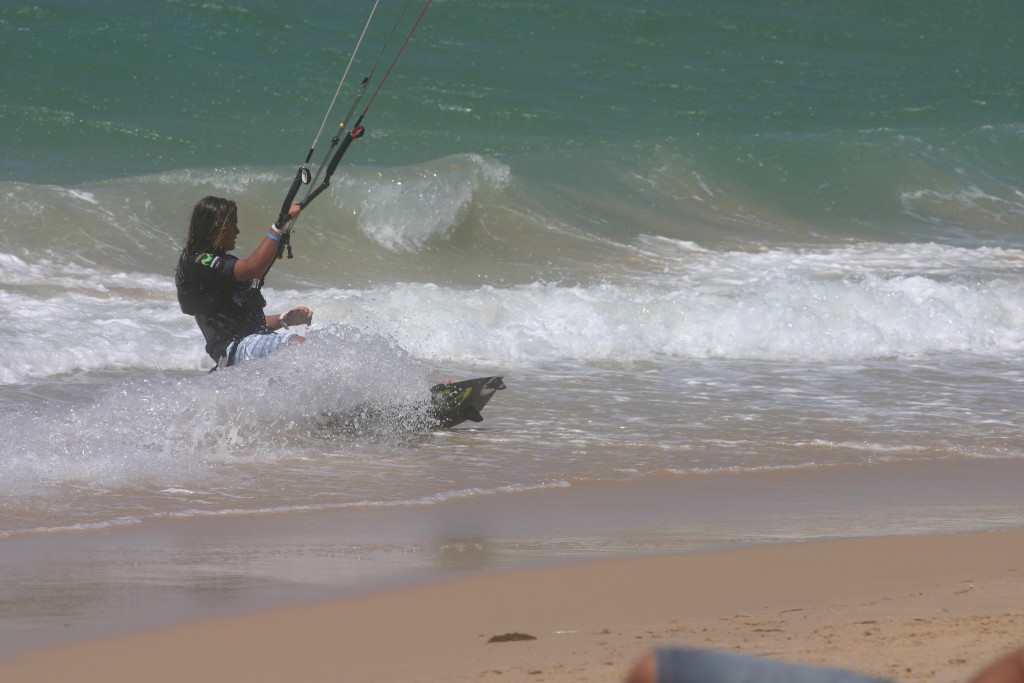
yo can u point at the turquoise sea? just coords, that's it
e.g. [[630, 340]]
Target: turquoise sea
[[699, 240]]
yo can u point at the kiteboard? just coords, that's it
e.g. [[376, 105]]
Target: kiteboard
[[450, 404], [457, 402]]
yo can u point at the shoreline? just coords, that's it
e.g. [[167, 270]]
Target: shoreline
[[910, 608], [62, 590]]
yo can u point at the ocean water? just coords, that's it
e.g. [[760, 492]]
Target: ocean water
[[695, 238]]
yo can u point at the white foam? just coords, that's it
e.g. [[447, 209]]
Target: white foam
[[862, 301], [779, 317], [174, 432]]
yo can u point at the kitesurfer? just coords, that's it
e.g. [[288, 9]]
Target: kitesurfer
[[222, 290]]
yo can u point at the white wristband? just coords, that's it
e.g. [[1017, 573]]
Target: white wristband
[[276, 229]]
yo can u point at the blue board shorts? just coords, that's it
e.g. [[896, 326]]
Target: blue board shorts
[[256, 346]]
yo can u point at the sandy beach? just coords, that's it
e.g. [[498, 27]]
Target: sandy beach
[[918, 608]]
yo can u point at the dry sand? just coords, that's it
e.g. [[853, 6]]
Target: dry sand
[[922, 608]]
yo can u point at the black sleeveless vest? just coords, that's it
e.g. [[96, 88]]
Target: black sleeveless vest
[[225, 309]]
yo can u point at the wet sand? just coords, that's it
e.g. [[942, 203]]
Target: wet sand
[[926, 608], [595, 574]]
